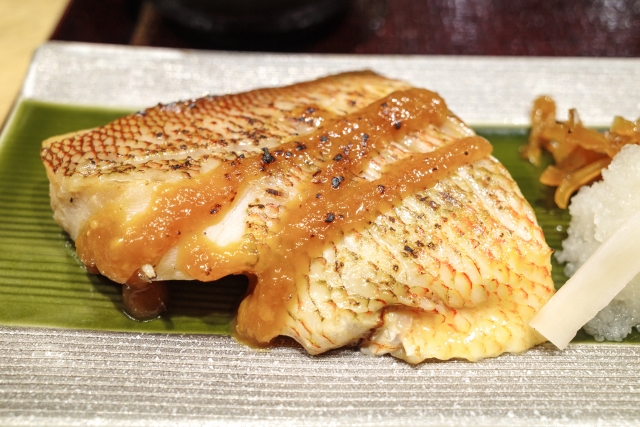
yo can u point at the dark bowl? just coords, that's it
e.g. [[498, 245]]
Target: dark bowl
[[249, 16]]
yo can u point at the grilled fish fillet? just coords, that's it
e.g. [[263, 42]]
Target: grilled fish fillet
[[363, 211]]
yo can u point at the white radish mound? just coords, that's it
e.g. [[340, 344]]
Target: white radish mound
[[596, 212]]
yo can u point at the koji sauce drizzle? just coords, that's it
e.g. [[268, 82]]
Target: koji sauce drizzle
[[336, 200]]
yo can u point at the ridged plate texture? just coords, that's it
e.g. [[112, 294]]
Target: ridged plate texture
[[67, 377]]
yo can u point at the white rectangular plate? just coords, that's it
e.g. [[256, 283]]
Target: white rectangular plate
[[65, 377]]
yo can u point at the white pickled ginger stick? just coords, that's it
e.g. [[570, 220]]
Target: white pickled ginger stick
[[593, 286]]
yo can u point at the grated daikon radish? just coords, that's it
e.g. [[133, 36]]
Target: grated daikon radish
[[593, 286]]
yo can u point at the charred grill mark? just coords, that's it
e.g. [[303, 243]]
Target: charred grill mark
[[449, 198], [250, 120], [336, 181], [408, 250], [273, 192], [266, 156]]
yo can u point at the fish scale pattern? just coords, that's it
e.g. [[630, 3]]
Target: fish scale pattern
[[438, 277], [182, 135]]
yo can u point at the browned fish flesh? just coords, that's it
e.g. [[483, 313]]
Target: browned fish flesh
[[363, 211]]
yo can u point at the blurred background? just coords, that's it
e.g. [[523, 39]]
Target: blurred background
[[594, 28], [24, 24]]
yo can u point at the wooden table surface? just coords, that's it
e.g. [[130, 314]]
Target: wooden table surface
[[24, 24]]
